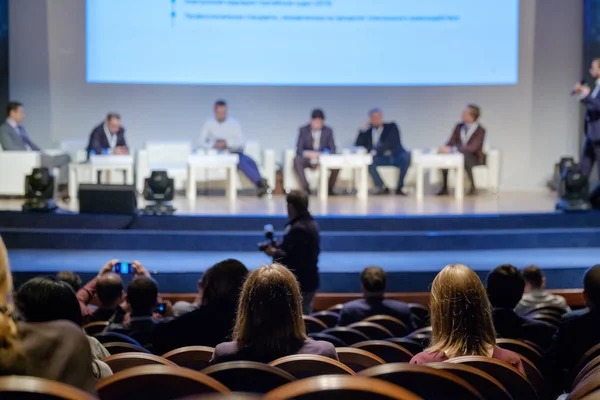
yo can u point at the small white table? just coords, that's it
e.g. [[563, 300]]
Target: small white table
[[357, 162], [227, 161], [76, 173], [437, 161], [113, 162]]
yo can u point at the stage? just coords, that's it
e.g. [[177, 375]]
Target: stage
[[412, 240]]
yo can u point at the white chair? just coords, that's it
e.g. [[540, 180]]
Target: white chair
[[170, 156], [14, 167], [75, 148]]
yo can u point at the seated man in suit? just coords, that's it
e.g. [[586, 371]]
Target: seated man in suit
[[108, 137], [536, 294], [467, 138], [14, 137], [225, 133], [578, 331], [374, 282], [505, 286], [383, 141], [313, 139]]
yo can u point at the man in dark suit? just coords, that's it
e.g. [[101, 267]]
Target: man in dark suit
[[299, 250], [591, 100], [374, 283], [578, 331], [313, 139], [505, 286], [467, 138], [14, 137], [108, 137], [382, 140]]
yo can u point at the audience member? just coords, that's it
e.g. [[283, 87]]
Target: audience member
[[70, 278], [142, 299], [46, 299], [107, 289], [505, 286], [578, 331], [374, 283], [461, 320], [269, 322], [212, 322], [55, 350], [536, 294]]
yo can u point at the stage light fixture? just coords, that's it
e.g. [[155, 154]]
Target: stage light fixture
[[160, 190], [573, 188], [39, 191]]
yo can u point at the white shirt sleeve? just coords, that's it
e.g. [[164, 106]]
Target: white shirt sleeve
[[206, 140], [235, 137]]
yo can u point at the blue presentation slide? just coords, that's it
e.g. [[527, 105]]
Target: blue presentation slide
[[304, 42]]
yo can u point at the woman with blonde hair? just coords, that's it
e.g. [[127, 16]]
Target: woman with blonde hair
[[461, 320], [56, 350], [269, 320]]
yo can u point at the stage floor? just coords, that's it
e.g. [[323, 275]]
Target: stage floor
[[485, 203]]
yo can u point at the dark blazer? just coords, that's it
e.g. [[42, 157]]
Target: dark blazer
[[357, 310], [592, 117], [426, 357], [305, 140], [578, 332], [299, 251], [207, 326], [474, 144], [389, 141], [99, 141], [138, 328], [509, 325], [230, 351]]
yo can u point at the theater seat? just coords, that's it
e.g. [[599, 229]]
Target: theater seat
[[30, 388]]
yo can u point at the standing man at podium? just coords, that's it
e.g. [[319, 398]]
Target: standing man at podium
[[108, 137], [225, 133]]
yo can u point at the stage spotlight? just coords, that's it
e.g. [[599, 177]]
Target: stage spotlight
[[573, 188], [39, 191], [159, 189]]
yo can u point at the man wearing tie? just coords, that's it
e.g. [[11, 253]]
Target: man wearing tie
[[591, 101], [313, 139], [14, 137], [382, 140], [108, 137], [467, 138]]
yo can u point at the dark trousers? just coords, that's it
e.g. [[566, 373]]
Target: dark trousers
[[471, 161], [400, 160], [301, 163], [591, 155]]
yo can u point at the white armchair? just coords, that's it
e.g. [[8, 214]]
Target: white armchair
[[14, 167], [170, 156]]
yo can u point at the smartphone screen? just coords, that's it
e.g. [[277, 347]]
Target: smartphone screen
[[161, 308], [123, 268]]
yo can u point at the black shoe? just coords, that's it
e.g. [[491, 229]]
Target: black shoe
[[262, 188], [400, 192], [332, 192], [472, 192], [307, 191], [380, 191], [443, 192]]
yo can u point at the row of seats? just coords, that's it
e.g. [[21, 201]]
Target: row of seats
[[172, 157]]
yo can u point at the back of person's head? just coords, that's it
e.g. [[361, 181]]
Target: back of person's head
[[505, 286], [461, 316], [44, 299], [591, 287], [374, 281], [109, 290], [70, 278], [142, 294], [222, 282], [12, 358], [269, 316], [534, 278], [297, 204]]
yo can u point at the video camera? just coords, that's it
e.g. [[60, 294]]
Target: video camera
[[270, 236]]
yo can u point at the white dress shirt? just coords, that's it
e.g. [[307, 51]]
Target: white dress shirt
[[112, 138], [376, 132], [596, 89], [229, 130], [467, 131], [316, 139]]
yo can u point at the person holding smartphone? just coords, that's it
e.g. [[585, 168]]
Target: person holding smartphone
[[107, 289]]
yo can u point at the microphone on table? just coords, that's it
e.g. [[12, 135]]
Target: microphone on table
[[581, 82]]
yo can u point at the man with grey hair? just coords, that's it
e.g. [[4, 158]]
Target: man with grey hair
[[382, 140]]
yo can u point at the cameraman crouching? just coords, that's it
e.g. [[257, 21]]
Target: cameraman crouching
[[299, 250]]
